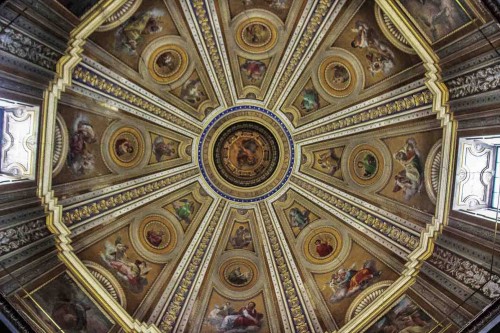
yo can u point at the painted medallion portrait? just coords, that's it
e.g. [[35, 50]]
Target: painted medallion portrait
[[366, 165], [322, 245], [126, 147], [337, 76], [168, 63], [256, 35], [238, 274], [157, 234]]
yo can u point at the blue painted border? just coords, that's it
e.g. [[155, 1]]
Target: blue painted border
[[243, 108]]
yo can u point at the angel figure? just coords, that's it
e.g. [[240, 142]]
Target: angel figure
[[132, 272]]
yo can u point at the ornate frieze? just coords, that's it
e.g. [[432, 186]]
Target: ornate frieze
[[395, 233], [466, 272], [212, 45], [315, 22], [295, 305], [482, 80], [18, 236], [95, 81], [24, 47], [398, 106], [180, 295], [91, 209]]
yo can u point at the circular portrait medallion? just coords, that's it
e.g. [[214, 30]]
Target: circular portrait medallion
[[126, 147], [337, 76], [366, 165], [256, 35], [246, 154], [168, 63], [157, 234], [238, 274], [322, 245]]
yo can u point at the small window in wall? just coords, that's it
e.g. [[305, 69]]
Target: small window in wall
[[18, 138], [477, 183]]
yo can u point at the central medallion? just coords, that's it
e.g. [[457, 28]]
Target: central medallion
[[246, 153]]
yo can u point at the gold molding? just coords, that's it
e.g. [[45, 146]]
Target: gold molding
[[55, 224], [440, 106]]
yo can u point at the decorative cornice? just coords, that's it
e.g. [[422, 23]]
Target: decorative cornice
[[296, 308], [25, 47], [99, 206], [480, 81], [211, 47], [13, 238], [466, 272], [181, 293], [95, 81]]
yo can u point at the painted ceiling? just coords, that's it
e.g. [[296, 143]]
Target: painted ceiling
[[250, 165]]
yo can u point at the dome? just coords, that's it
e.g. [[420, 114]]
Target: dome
[[249, 166]]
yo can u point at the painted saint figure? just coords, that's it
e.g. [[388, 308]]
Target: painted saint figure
[[81, 159], [253, 69], [411, 179], [299, 218], [192, 92], [184, 209], [162, 149], [247, 319], [130, 34], [132, 272], [345, 283], [379, 55], [242, 238], [330, 161], [310, 100]]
